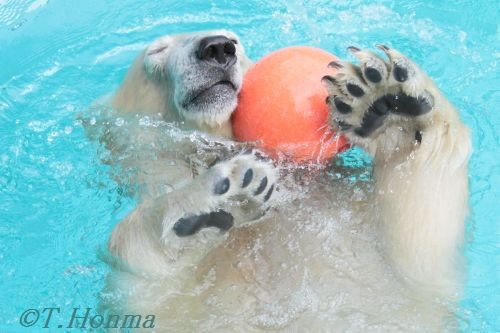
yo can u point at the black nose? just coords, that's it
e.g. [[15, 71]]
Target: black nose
[[217, 49]]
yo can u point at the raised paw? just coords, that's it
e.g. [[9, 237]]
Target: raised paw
[[245, 175], [378, 93]]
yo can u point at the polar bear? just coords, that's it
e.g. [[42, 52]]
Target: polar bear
[[213, 246]]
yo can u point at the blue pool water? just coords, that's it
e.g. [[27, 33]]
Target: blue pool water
[[57, 204]]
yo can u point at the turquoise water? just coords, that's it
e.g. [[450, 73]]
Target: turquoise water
[[57, 204]]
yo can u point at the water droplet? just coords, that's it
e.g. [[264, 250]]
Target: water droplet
[[119, 122], [52, 135], [144, 121]]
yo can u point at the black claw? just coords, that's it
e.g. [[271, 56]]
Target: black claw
[[343, 126], [262, 186], [373, 75], [188, 226], [328, 78], [248, 151], [353, 49], [355, 90], [400, 73], [341, 106], [261, 156], [335, 64], [222, 186], [269, 193], [382, 47], [247, 178]]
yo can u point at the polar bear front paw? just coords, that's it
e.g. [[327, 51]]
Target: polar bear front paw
[[367, 98], [244, 177]]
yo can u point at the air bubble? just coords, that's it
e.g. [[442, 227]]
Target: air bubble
[[119, 122], [145, 121]]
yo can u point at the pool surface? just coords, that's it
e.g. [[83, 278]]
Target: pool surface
[[57, 202]]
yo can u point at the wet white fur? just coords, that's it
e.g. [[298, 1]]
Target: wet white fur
[[421, 189], [416, 211]]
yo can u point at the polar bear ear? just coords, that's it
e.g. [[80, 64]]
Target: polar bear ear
[[156, 55]]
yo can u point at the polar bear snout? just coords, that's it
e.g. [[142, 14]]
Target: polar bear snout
[[195, 76], [217, 50], [207, 73]]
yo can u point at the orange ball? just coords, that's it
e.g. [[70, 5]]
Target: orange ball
[[282, 106]]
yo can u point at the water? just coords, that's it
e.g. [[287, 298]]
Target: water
[[57, 203]]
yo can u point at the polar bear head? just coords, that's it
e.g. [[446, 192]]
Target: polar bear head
[[194, 77]]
